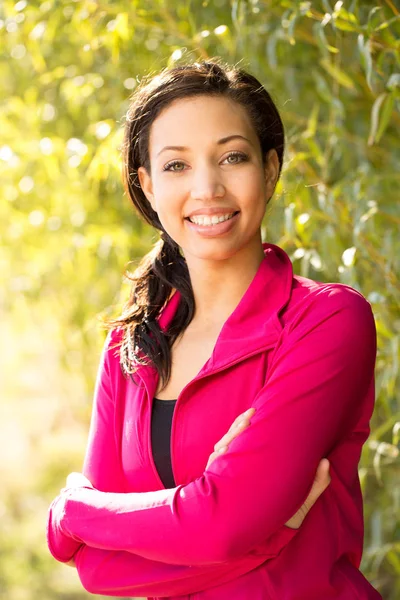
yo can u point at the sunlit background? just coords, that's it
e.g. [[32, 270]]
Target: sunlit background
[[67, 231]]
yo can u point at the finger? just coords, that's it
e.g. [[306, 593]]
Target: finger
[[240, 423], [228, 437], [214, 455], [322, 476], [321, 482], [245, 415], [211, 459], [77, 480]]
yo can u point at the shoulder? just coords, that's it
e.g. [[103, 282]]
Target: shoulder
[[305, 287], [309, 299], [308, 292], [314, 302]]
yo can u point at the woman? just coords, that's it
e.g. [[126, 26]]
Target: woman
[[218, 326]]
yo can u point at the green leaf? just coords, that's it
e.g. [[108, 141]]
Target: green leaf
[[344, 14], [312, 122], [338, 74], [271, 49], [373, 18], [343, 25], [366, 58], [344, 20], [387, 23], [324, 44], [380, 116], [292, 25]]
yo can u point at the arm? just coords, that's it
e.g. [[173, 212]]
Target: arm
[[314, 396], [110, 572], [101, 464], [126, 574], [107, 571]]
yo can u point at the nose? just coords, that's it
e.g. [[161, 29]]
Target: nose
[[206, 184]]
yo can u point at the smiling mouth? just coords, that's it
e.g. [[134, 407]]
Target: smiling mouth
[[209, 221]]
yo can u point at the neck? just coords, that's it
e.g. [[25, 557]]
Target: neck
[[218, 286]]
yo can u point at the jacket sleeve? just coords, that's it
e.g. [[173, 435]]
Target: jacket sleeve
[[317, 390], [119, 573]]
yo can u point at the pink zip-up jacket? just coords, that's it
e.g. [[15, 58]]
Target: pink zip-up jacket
[[302, 353]]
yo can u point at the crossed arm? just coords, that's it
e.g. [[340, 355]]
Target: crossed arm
[[141, 576], [320, 377]]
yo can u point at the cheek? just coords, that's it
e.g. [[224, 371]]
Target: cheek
[[250, 180], [166, 199], [170, 210], [253, 194]]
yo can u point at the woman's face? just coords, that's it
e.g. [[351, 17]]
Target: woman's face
[[206, 166]]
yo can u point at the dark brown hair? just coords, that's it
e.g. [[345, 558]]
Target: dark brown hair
[[164, 269]]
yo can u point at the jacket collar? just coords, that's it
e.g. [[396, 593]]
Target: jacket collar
[[254, 325]]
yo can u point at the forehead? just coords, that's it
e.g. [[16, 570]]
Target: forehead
[[198, 118]]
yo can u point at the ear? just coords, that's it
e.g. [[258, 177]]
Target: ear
[[271, 171], [146, 185]]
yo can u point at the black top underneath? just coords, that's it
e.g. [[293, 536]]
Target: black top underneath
[[161, 421]]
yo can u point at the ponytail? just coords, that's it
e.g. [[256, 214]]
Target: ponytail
[[160, 272]]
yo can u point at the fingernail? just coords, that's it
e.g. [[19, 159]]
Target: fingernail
[[222, 449]]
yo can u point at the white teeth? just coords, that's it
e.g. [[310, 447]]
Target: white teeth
[[206, 220]]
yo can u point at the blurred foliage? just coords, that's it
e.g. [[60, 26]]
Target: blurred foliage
[[67, 230]]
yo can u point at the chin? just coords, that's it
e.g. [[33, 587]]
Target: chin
[[215, 251]]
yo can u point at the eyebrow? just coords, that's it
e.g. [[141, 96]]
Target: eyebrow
[[223, 140]]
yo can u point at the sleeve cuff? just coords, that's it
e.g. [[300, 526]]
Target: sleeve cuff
[[62, 547]]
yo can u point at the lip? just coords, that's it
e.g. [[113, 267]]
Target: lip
[[209, 231], [216, 210]]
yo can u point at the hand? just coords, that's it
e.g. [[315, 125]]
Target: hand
[[321, 481], [76, 480], [240, 423]]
